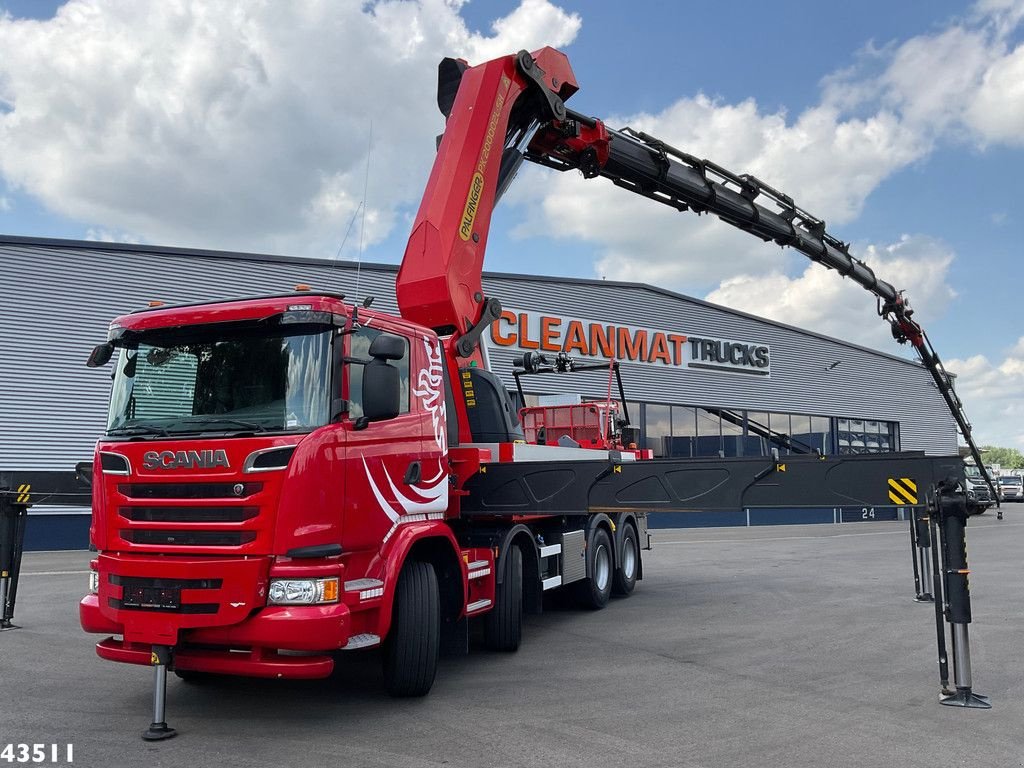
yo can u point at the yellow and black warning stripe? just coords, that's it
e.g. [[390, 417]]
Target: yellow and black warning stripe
[[902, 490], [24, 493]]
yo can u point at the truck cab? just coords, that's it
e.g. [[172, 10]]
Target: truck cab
[[259, 457]]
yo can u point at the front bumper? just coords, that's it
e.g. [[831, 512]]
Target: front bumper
[[222, 625], [256, 662]]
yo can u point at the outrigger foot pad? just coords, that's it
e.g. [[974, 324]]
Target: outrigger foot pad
[[964, 697], [925, 598], [159, 732]]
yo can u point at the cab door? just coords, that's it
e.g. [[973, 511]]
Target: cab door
[[387, 467]]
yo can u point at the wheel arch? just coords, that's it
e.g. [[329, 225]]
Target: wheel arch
[[435, 544], [523, 537]]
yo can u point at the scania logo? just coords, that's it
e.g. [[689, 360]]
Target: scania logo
[[206, 459]]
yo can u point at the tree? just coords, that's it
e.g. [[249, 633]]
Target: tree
[[1007, 458]]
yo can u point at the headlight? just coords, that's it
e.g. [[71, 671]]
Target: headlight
[[94, 582], [302, 591]]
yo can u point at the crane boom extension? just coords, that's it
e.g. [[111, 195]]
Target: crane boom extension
[[519, 101], [648, 166]]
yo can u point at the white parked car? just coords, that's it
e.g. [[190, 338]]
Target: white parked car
[[1011, 488]]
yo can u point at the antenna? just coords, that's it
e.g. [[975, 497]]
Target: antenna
[[348, 230], [362, 221]]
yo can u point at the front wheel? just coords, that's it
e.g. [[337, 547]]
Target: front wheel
[[412, 645]]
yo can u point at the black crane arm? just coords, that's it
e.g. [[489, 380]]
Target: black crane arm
[[648, 166]]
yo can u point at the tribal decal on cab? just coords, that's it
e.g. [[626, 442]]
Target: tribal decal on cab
[[429, 495], [430, 390]]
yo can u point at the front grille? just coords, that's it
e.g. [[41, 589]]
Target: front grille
[[188, 514], [188, 490], [190, 538]]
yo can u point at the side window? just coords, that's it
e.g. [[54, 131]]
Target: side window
[[359, 349]]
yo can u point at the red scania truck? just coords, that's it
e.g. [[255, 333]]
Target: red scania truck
[[290, 476]]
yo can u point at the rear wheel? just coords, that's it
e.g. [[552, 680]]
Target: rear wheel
[[595, 590], [411, 648], [629, 563], [503, 626]]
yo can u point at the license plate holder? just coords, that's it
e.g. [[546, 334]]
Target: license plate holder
[[152, 598]]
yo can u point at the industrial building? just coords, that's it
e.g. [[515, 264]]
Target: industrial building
[[701, 380]]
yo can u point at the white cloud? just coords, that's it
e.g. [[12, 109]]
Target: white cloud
[[997, 110], [105, 236], [993, 396], [242, 125], [818, 299], [5, 204]]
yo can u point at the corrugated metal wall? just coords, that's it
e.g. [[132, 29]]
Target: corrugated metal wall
[[56, 300]]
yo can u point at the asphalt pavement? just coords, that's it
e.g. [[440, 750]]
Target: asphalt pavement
[[777, 646]]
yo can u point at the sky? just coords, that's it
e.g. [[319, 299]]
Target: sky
[[280, 127]]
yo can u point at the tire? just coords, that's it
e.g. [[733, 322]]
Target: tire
[[412, 646], [595, 590], [624, 581], [503, 626]]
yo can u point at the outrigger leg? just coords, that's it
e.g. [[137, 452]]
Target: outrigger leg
[[158, 729], [949, 515], [920, 552]]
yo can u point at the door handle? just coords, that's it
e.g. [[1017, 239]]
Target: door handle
[[413, 474]]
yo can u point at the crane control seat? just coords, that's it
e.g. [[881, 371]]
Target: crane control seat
[[492, 415]]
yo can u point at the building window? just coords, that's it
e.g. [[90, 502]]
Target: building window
[[732, 432], [659, 428], [866, 436], [684, 432], [709, 433]]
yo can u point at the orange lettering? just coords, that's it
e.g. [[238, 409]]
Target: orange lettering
[[549, 334], [524, 333], [677, 347], [497, 336], [632, 347], [602, 340], [659, 350], [575, 338]]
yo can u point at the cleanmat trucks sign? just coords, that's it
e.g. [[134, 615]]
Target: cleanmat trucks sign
[[536, 331]]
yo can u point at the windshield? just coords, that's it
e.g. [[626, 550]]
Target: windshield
[[1009, 481], [250, 380]]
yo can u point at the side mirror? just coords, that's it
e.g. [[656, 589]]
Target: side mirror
[[382, 389], [100, 355]]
